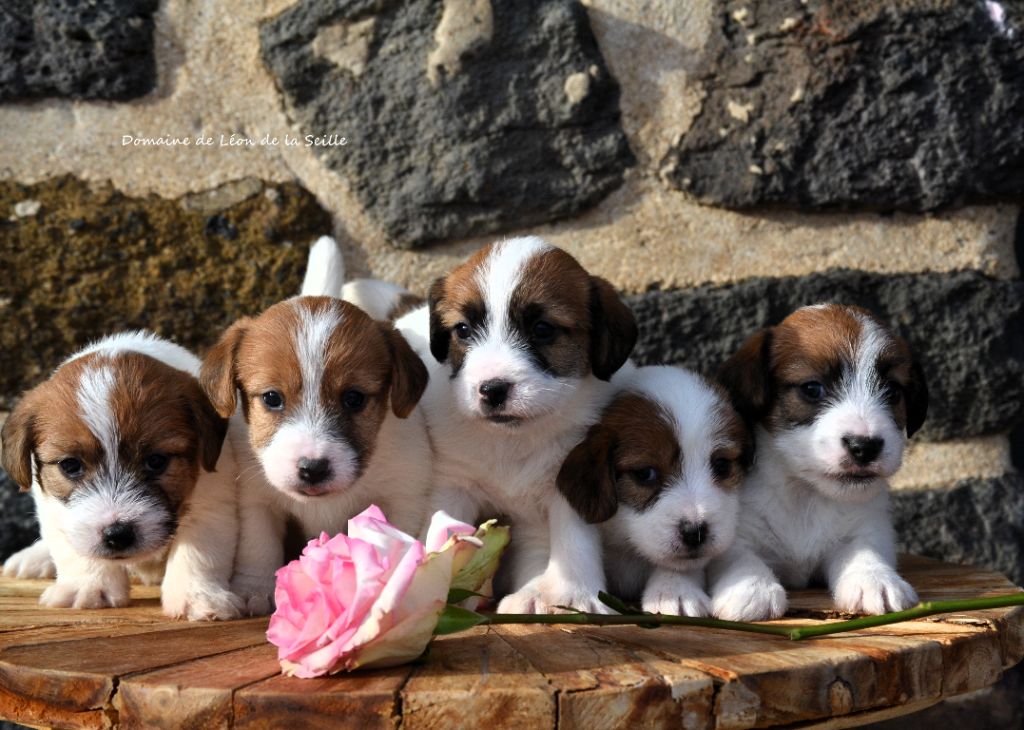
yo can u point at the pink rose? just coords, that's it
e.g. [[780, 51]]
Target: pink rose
[[369, 598]]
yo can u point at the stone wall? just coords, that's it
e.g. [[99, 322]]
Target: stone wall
[[721, 161]]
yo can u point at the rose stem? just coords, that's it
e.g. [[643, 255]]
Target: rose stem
[[796, 633]]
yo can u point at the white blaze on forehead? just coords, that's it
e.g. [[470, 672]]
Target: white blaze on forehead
[[501, 273], [311, 341], [862, 383], [95, 389]]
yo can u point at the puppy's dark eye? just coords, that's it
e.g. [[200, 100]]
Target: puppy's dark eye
[[893, 392], [273, 400], [156, 464], [721, 468], [647, 476], [353, 400], [71, 467], [463, 331], [543, 331], [812, 390]]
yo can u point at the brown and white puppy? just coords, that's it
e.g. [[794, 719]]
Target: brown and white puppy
[[329, 396], [521, 342], [123, 453], [835, 395], [661, 473]]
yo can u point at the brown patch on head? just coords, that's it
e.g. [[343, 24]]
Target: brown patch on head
[[363, 367], [572, 323], [156, 409], [609, 466], [818, 344]]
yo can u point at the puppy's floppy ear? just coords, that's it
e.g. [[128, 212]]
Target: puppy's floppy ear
[[210, 427], [440, 336], [587, 477], [218, 372], [916, 397], [747, 377], [408, 373], [613, 329], [18, 436]]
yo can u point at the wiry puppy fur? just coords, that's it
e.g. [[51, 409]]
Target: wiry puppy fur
[[834, 395], [521, 342], [329, 397], [661, 473], [123, 454]]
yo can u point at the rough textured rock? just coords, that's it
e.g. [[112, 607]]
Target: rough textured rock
[[80, 50], [954, 321], [91, 261], [18, 526], [462, 117], [974, 521], [866, 104]]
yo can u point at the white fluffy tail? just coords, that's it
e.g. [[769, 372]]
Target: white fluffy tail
[[375, 297], [325, 270]]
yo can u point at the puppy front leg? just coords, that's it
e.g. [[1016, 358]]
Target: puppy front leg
[[34, 561], [862, 574], [743, 587], [260, 554], [679, 594], [83, 582], [196, 581], [574, 574], [457, 503]]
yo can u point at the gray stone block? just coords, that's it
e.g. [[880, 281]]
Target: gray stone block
[[454, 127], [967, 329], [872, 104], [18, 527], [79, 50], [975, 521]]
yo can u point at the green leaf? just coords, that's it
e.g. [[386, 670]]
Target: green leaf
[[615, 604], [454, 619], [458, 595], [484, 562]]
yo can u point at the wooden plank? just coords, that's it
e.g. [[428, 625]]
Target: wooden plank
[[476, 678], [365, 700], [197, 694], [81, 674], [603, 685], [765, 680]]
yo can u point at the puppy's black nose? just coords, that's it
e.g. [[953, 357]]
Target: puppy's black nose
[[693, 534], [314, 471], [863, 449], [495, 392], [119, 536]]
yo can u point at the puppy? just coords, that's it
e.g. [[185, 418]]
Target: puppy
[[329, 397], [521, 342], [834, 395], [123, 454], [661, 473]]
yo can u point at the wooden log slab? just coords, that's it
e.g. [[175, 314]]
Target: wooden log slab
[[133, 668]]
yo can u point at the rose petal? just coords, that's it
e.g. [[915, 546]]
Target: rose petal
[[443, 526]]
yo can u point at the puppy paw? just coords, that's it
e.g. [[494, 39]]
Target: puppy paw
[[34, 561], [751, 599], [534, 598], [256, 595], [873, 592], [202, 603], [87, 594], [681, 601]]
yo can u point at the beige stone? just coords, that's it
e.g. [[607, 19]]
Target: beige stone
[[212, 82], [346, 45], [928, 465], [465, 25]]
